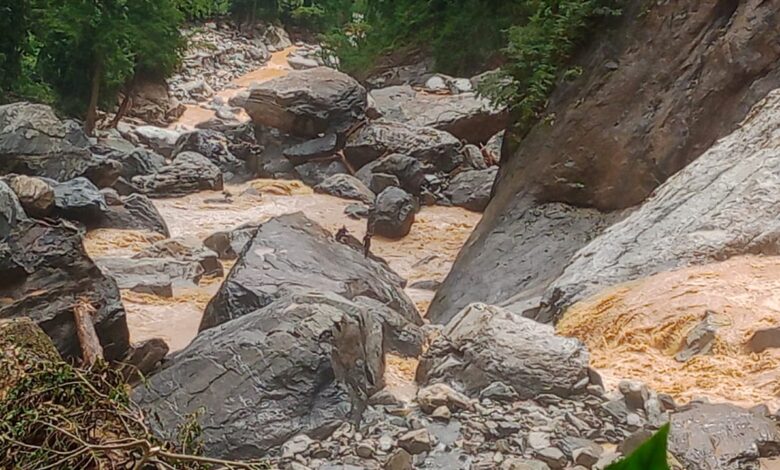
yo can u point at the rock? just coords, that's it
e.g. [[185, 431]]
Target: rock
[[393, 213], [399, 460], [721, 437], [378, 182], [471, 189], [329, 359], [697, 216], [135, 212], [365, 449], [152, 103], [434, 396], [11, 211], [228, 245], [464, 115], [312, 149], [52, 273], [356, 211], [301, 63], [492, 149], [80, 200], [408, 171], [498, 391], [277, 37], [293, 250], [308, 102], [34, 142], [143, 359], [35, 195], [347, 187], [473, 157], [484, 344], [383, 137], [416, 442], [402, 336], [435, 83], [296, 445], [522, 464], [212, 145], [634, 441], [538, 440], [22, 343], [586, 456], [188, 173], [139, 162], [552, 456], [187, 251], [441, 413], [316, 172], [606, 143], [763, 339], [635, 394], [151, 275], [162, 141], [699, 339]]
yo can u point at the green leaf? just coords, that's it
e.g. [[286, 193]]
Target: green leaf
[[649, 456]]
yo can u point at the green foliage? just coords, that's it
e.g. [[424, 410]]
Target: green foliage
[[202, 9], [649, 456], [13, 30]]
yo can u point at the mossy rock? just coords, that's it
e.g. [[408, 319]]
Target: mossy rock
[[22, 343]]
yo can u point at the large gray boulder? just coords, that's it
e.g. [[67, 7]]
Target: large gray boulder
[[308, 103], [428, 145], [393, 213], [294, 251], [485, 344], [408, 171], [79, 200], [34, 142], [347, 187], [35, 194], [464, 115], [47, 273], [303, 364], [471, 189], [211, 144], [11, 211], [722, 437], [135, 212], [151, 275], [189, 172], [723, 204]]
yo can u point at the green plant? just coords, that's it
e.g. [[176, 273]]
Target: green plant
[[649, 456]]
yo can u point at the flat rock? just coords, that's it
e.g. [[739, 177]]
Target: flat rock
[[346, 187], [471, 189]]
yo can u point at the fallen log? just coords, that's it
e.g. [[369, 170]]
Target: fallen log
[[91, 350]]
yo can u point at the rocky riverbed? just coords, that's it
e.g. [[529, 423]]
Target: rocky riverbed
[[267, 240]]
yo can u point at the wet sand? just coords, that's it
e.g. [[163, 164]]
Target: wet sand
[[635, 329]]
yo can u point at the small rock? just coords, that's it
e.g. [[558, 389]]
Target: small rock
[[587, 456], [699, 339], [499, 391], [761, 340], [441, 413], [386, 442], [399, 460], [296, 445], [433, 396], [416, 442], [514, 463], [553, 457], [393, 214], [365, 449], [538, 440], [633, 441]]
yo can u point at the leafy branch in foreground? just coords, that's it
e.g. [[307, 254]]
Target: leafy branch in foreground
[[649, 456], [58, 416]]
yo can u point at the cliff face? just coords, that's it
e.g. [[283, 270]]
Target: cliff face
[[657, 91]]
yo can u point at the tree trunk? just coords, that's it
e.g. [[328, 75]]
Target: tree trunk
[[91, 350], [125, 105], [91, 119]]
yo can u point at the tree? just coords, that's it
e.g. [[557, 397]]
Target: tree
[[14, 22]]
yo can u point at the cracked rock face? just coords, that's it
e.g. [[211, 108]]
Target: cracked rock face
[[303, 364], [484, 344], [294, 251], [723, 204]]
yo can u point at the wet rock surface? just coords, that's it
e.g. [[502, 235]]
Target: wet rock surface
[[472, 188], [327, 352], [347, 187], [393, 213], [189, 172], [292, 250]]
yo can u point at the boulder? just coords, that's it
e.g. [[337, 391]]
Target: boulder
[[722, 437], [303, 364], [297, 62], [464, 115], [184, 250], [347, 187], [143, 359], [162, 141], [212, 145], [189, 172], [719, 206], [135, 212], [22, 345], [393, 213], [378, 182], [428, 145], [308, 103], [316, 172], [46, 273], [35, 195], [320, 147], [34, 142], [230, 243], [138, 161], [11, 211], [471, 189], [151, 275], [152, 103], [492, 149], [408, 170], [292, 250], [474, 159], [484, 344], [79, 200]]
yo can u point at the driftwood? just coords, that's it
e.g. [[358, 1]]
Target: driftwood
[[91, 350]]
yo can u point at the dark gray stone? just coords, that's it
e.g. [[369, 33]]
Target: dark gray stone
[[79, 200], [183, 250], [347, 187], [303, 364], [11, 211], [151, 275], [393, 213], [315, 172], [212, 145], [471, 189], [409, 172], [321, 147], [188, 173], [292, 250], [135, 212]]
